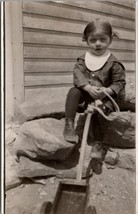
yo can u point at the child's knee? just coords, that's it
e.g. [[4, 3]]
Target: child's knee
[[74, 92]]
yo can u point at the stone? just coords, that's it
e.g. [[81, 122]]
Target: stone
[[43, 140], [11, 172], [10, 135], [66, 169], [126, 158], [50, 104], [131, 88], [119, 132]]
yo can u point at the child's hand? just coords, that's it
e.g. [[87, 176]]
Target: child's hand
[[104, 91], [95, 92]]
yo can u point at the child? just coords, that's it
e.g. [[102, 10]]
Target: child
[[95, 72]]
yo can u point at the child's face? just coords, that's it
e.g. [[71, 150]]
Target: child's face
[[98, 42]]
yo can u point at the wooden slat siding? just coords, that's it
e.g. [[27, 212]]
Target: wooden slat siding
[[52, 39], [41, 79], [44, 66], [37, 37], [32, 21], [99, 7], [58, 67], [60, 90], [45, 80], [129, 4], [73, 14], [41, 86], [31, 81], [53, 52]]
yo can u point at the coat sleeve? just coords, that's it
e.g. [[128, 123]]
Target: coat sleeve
[[79, 74], [118, 81]]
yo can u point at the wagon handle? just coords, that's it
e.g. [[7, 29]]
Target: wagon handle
[[83, 144]]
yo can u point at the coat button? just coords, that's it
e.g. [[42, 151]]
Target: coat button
[[93, 75]]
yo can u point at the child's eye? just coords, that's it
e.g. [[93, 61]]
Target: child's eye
[[103, 39], [92, 40]]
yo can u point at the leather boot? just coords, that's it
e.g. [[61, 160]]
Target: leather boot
[[98, 151], [69, 132]]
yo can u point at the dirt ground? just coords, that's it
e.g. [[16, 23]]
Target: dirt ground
[[112, 192]]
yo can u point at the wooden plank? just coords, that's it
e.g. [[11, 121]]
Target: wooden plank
[[47, 52], [9, 99], [59, 39], [31, 92], [44, 66], [115, 10], [130, 66], [17, 51], [45, 80], [127, 3], [58, 67], [31, 21], [74, 14]]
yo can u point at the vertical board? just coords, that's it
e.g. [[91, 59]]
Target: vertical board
[[17, 54]]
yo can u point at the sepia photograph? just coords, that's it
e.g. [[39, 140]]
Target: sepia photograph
[[69, 80]]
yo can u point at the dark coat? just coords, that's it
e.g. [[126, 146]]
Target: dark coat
[[111, 75]]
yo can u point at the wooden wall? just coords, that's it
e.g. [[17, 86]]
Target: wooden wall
[[52, 39]]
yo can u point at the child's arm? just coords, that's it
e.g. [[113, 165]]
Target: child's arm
[[118, 81], [79, 74]]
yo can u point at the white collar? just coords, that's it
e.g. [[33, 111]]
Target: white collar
[[94, 62]]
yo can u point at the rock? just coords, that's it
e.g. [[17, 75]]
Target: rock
[[121, 131], [10, 135], [126, 158], [43, 140], [131, 88], [50, 104], [11, 173], [61, 169]]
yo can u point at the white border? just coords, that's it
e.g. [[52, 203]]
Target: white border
[[2, 108], [136, 106]]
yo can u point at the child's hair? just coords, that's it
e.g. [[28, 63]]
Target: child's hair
[[104, 25]]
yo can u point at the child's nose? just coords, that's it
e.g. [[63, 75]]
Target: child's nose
[[98, 43]]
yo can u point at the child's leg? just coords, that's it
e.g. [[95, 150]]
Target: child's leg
[[99, 150], [71, 106], [99, 126], [74, 97]]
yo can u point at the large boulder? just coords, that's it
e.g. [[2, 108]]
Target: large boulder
[[11, 171], [119, 132], [66, 169], [44, 104], [42, 140], [131, 88]]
